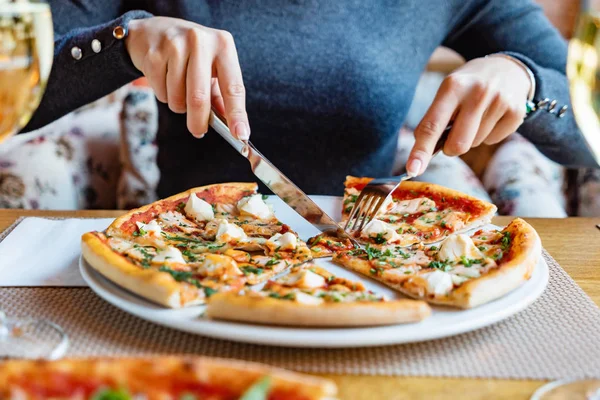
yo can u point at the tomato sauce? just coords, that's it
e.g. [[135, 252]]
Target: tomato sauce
[[211, 195], [442, 201]]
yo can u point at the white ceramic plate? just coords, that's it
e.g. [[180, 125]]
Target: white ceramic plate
[[442, 323]]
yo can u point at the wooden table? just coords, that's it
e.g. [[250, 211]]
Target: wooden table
[[573, 242]]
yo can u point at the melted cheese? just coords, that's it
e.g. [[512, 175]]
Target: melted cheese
[[305, 279], [169, 255], [254, 206], [468, 272], [438, 282], [352, 191], [307, 299], [120, 245], [151, 228], [454, 220], [183, 224], [198, 209], [413, 206], [228, 232], [287, 241], [456, 246], [380, 228], [219, 265]]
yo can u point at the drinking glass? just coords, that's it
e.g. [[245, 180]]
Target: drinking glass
[[26, 53], [583, 69]]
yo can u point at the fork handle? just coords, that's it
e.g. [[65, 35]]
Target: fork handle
[[439, 146]]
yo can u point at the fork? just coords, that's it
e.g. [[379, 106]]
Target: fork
[[377, 191]]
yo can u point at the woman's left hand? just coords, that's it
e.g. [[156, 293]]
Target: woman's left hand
[[485, 99]]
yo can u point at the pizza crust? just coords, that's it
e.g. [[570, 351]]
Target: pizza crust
[[271, 311], [151, 284], [235, 375], [525, 252]]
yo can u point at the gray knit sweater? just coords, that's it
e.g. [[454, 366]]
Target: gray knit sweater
[[329, 82]]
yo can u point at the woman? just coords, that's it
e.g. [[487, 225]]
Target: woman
[[326, 84]]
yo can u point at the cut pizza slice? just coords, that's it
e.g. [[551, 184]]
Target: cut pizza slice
[[180, 250], [417, 212], [461, 271], [312, 296], [163, 377]]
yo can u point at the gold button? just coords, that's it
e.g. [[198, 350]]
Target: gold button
[[76, 53], [119, 32]]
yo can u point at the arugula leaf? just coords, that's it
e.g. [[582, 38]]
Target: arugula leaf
[[272, 261], [380, 238], [468, 262], [505, 241], [441, 265], [179, 276], [258, 391], [252, 270], [179, 238], [208, 291], [372, 252], [111, 394], [191, 256], [139, 232]]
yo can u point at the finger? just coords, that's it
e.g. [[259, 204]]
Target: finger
[[490, 118], [154, 68], [198, 78], [465, 126], [217, 97], [176, 76], [507, 125], [232, 87], [430, 128]]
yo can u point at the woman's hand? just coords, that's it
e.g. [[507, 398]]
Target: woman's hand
[[485, 99], [191, 67]]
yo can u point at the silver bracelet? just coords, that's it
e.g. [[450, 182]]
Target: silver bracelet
[[524, 67]]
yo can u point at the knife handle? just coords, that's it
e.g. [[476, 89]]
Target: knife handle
[[219, 124]]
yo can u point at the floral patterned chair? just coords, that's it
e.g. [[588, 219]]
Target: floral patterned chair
[[102, 156]]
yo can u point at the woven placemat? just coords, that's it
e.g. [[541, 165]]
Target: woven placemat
[[556, 337]]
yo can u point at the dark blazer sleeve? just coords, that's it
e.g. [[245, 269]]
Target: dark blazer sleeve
[[75, 81], [520, 29]]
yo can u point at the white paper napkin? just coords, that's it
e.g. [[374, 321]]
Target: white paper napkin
[[45, 252]]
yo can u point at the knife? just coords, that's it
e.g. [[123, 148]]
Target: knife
[[280, 184]]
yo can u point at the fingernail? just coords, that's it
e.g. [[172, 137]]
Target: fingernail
[[414, 167], [241, 131]]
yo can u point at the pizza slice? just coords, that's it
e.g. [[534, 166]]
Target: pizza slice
[[193, 378], [461, 271], [312, 296], [181, 250], [417, 212]]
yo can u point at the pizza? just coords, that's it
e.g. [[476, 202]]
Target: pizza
[[181, 250], [311, 296], [462, 271], [190, 378], [417, 212]]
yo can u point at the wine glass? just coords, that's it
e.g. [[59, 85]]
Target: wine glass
[[31, 338], [583, 70], [26, 53]]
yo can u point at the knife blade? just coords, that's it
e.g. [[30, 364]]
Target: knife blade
[[279, 184]]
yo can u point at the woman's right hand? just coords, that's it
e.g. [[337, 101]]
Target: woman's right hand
[[187, 65]]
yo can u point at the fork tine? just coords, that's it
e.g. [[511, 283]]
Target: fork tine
[[355, 208], [376, 207], [363, 212]]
